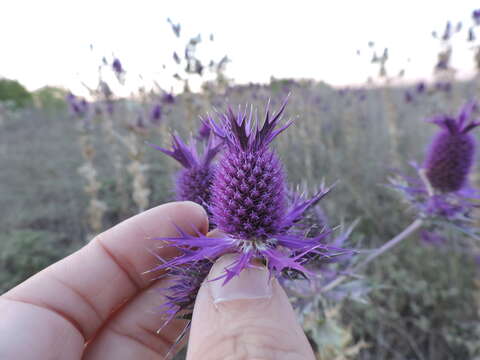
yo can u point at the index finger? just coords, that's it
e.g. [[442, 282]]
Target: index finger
[[73, 297]]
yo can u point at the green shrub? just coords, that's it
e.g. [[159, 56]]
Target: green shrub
[[11, 91], [50, 98]]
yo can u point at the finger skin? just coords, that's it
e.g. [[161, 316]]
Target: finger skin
[[72, 298], [246, 329], [132, 332]]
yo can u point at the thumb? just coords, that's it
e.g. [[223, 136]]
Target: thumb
[[248, 318]]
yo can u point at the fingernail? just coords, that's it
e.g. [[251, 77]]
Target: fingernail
[[251, 283]]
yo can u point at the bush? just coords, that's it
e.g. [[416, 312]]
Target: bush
[[11, 91], [50, 98]]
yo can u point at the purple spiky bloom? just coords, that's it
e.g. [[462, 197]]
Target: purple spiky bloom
[[168, 98], [156, 114], [194, 181], [249, 193], [451, 154], [117, 66], [249, 205], [476, 16], [78, 107], [420, 87], [180, 295], [181, 292]]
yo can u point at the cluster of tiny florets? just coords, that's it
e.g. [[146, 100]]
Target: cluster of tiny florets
[[451, 153], [249, 194], [194, 184], [450, 160], [440, 193], [194, 180]]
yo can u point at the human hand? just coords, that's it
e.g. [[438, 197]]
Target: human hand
[[96, 304]]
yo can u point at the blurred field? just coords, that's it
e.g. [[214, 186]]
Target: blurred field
[[424, 305]]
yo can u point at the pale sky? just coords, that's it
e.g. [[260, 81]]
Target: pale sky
[[48, 42]]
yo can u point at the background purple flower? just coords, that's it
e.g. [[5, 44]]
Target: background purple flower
[[117, 66], [451, 154], [168, 98], [156, 114], [476, 16], [194, 181]]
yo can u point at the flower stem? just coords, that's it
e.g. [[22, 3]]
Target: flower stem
[[415, 225]]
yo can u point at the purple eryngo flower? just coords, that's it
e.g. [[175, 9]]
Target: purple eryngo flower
[[117, 66], [451, 154], [420, 87], [180, 295], [78, 107], [476, 16], [168, 98], [194, 181], [249, 205], [156, 114]]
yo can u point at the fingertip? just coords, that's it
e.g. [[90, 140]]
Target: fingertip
[[196, 213]]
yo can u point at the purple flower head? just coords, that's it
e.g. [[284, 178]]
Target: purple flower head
[[249, 204], [168, 98], [451, 153], [78, 107], [117, 66], [420, 87], [156, 114], [181, 294], [249, 193], [194, 181], [476, 16]]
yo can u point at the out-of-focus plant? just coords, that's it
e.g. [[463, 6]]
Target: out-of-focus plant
[[50, 98], [194, 181], [25, 252], [424, 309], [14, 93], [440, 193], [81, 112]]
